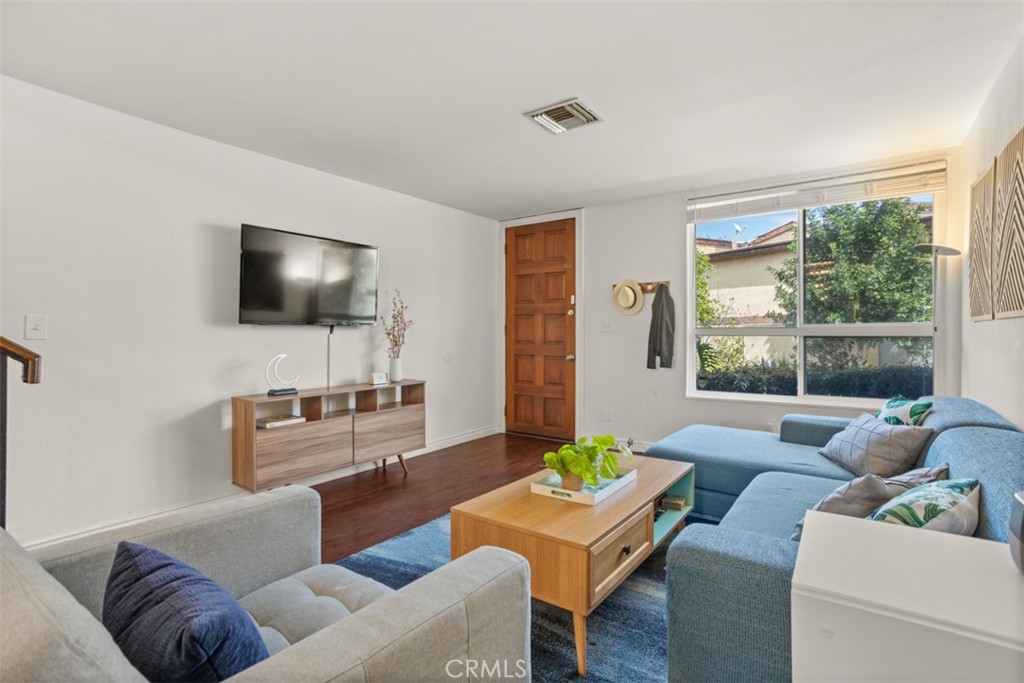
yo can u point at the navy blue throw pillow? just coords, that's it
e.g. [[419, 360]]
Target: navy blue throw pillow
[[172, 622]]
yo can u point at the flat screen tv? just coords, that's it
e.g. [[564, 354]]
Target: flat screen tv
[[292, 279]]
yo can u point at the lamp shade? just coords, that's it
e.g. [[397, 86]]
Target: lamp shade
[[937, 249]]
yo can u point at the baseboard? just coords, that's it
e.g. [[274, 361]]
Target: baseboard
[[432, 446], [457, 439]]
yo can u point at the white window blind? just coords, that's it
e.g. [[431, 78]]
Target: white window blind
[[893, 182]]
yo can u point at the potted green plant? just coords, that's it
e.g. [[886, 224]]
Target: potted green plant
[[586, 460]]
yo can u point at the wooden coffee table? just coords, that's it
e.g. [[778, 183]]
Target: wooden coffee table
[[578, 553]]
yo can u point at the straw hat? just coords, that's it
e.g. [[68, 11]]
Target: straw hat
[[627, 296]]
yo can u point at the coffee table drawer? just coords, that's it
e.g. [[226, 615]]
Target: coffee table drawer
[[613, 558]]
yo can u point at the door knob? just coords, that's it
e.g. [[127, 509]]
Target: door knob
[[570, 357]]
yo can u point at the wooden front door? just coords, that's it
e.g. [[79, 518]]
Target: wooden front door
[[540, 329]]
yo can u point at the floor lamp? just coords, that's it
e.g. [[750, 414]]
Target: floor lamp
[[936, 250]]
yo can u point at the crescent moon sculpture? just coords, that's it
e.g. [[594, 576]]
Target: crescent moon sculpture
[[272, 368]]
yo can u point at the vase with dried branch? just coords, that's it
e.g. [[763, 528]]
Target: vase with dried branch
[[394, 330]]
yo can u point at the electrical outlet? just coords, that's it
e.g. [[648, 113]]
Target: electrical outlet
[[607, 415], [607, 326], [35, 326]]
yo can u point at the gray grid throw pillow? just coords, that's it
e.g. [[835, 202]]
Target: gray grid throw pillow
[[870, 446]]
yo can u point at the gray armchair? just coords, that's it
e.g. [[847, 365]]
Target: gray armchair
[[474, 609]]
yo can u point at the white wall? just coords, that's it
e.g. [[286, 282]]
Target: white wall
[[993, 351], [125, 233], [645, 239]]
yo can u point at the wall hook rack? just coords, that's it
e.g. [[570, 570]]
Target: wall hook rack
[[652, 286]]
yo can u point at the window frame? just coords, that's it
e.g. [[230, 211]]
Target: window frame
[[802, 331]]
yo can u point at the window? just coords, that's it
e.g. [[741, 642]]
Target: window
[[817, 290]]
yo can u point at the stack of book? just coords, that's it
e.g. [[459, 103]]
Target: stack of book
[[278, 421], [674, 502]]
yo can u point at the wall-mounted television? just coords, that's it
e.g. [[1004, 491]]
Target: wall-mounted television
[[288, 278]]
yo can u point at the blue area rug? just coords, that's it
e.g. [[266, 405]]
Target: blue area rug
[[625, 634]]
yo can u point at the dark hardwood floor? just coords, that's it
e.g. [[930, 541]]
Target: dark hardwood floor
[[366, 508]]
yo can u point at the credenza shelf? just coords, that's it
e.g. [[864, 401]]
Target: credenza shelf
[[345, 425]]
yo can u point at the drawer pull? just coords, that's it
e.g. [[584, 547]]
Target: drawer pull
[[627, 549]]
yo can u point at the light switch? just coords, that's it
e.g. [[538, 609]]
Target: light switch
[[35, 326]]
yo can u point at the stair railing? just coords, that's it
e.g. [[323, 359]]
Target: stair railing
[[31, 363]]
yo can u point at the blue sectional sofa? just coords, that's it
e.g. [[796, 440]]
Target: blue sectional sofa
[[728, 584]]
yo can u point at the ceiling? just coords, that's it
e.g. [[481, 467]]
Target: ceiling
[[427, 98]]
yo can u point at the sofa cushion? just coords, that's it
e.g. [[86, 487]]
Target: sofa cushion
[[871, 446], [257, 539], [995, 457], [949, 412], [775, 501], [810, 430], [949, 506], [45, 634], [728, 459], [291, 609], [173, 622], [863, 495]]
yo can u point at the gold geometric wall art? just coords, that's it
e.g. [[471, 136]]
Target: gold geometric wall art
[[1008, 231], [982, 195]]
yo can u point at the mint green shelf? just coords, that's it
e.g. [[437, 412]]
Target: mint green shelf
[[683, 487], [670, 519]]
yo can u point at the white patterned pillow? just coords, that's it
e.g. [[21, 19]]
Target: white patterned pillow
[[950, 506], [870, 446], [903, 411]]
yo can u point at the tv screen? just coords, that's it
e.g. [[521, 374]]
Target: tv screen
[[293, 279]]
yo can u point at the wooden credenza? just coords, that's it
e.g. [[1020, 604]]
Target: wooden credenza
[[344, 426]]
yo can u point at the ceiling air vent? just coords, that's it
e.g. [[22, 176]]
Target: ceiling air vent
[[559, 118]]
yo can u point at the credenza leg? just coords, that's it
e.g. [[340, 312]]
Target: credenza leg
[[401, 461]]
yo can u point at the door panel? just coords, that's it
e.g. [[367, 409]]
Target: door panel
[[555, 371], [540, 329], [554, 329]]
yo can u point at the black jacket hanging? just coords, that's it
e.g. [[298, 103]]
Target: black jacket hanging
[[661, 341]]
